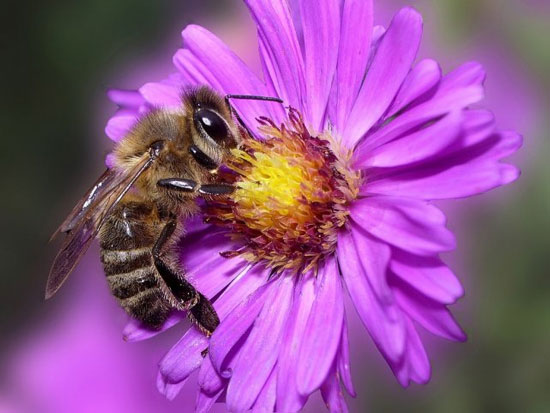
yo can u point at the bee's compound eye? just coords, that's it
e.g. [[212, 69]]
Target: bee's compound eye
[[212, 124]]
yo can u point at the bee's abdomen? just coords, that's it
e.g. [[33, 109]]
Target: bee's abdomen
[[126, 253]]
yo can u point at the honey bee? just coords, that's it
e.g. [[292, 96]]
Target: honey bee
[[137, 207]]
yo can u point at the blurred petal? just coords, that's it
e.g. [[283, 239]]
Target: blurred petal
[[429, 275], [205, 401], [321, 29], [391, 64], [383, 322], [161, 94], [259, 353], [130, 99], [288, 398], [320, 344], [120, 124], [280, 50], [354, 50], [420, 80], [410, 224]]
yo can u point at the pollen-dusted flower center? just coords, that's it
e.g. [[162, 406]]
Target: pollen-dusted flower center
[[292, 195]]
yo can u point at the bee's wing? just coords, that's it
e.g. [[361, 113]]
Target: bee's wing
[[86, 224], [97, 191]]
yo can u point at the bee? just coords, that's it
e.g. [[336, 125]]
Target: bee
[[137, 207]]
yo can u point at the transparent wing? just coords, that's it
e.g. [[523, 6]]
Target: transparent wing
[[96, 192], [84, 222]]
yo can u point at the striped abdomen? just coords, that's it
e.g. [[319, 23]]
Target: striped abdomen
[[126, 241]]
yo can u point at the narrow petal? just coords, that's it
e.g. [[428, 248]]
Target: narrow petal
[[321, 29], [415, 147], [412, 225], [280, 50], [265, 403], [288, 398], [344, 366], [429, 275], [176, 368], [373, 255], [391, 64], [332, 395], [320, 344], [235, 324], [220, 65], [169, 390], [259, 353], [137, 331], [353, 56], [420, 80], [430, 314], [205, 401], [450, 95], [444, 182], [209, 380], [384, 323]]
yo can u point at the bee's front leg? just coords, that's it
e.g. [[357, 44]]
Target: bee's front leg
[[188, 185]]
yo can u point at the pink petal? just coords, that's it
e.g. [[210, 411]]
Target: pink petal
[[415, 147], [373, 255], [237, 322], [343, 366], [120, 124], [224, 69], [161, 94], [209, 380], [176, 368], [420, 80], [268, 396], [429, 275], [410, 224], [280, 50], [205, 401], [259, 353], [449, 96], [384, 322], [137, 331], [391, 64], [130, 99], [431, 315], [288, 398], [321, 29], [169, 390], [355, 46], [444, 182], [320, 344], [332, 394]]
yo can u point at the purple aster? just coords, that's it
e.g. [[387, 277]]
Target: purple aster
[[342, 206]]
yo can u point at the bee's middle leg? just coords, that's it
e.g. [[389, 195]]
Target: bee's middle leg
[[200, 309], [188, 185]]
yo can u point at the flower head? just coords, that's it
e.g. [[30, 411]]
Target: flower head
[[331, 196]]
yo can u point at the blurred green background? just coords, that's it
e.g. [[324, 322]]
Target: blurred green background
[[59, 58]]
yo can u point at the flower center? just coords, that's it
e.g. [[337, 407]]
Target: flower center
[[292, 196]]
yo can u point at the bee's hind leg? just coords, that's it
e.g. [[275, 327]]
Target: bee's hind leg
[[200, 309]]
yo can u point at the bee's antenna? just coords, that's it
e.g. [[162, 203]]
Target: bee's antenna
[[247, 97]]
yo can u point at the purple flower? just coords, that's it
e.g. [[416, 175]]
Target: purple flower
[[373, 137]]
